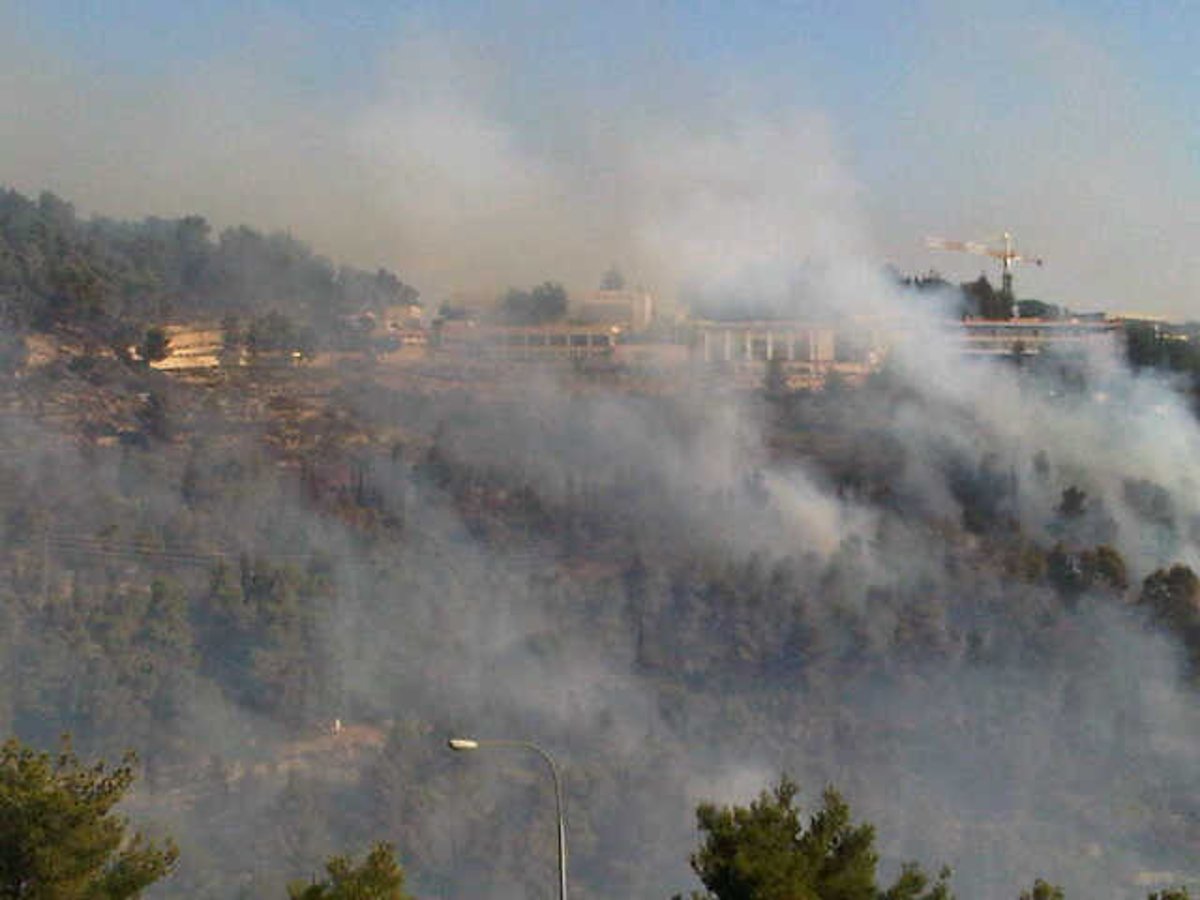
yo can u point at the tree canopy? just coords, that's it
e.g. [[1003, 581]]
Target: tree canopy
[[1043, 890], [108, 277], [985, 301], [378, 877], [60, 838], [765, 851], [612, 280], [1172, 597], [545, 303]]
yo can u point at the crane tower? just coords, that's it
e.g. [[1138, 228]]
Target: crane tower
[[1006, 254]]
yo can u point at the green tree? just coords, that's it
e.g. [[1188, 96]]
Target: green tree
[[545, 303], [549, 301], [1180, 893], [775, 384], [156, 345], [1073, 503], [14, 352], [271, 332], [59, 836], [152, 416], [194, 250], [985, 301], [1038, 309], [914, 884], [1143, 344], [612, 280], [1100, 569], [1173, 596], [1043, 890], [1106, 568], [231, 332], [766, 852], [378, 877]]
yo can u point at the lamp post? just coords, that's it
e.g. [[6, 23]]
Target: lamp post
[[463, 745]]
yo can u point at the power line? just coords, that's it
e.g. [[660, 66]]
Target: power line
[[99, 547]]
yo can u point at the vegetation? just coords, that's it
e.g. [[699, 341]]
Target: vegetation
[[1173, 599], [1043, 890], [1152, 345], [377, 877], [985, 302], [974, 299], [214, 573], [543, 304], [612, 280], [110, 280], [60, 838], [767, 852]]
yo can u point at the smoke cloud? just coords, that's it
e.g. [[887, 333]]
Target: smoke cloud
[[530, 144], [1026, 739]]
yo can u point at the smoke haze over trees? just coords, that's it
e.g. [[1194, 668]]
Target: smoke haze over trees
[[540, 305], [964, 593], [389, 137], [115, 279]]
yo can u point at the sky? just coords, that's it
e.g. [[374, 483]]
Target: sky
[[471, 146]]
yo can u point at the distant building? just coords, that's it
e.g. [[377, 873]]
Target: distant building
[[749, 341], [807, 353], [1031, 336], [627, 308], [525, 342]]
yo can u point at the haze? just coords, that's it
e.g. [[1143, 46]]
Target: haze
[[471, 146]]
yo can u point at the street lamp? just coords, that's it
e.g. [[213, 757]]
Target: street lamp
[[462, 745]]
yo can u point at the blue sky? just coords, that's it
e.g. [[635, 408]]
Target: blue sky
[[536, 132]]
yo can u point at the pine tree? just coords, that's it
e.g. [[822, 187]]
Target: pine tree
[[59, 836], [378, 877], [767, 852]]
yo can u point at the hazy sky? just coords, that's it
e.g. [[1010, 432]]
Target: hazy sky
[[473, 145]]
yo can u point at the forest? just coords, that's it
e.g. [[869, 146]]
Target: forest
[[963, 595], [111, 281]]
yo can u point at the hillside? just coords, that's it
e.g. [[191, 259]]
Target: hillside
[[108, 281], [948, 591]]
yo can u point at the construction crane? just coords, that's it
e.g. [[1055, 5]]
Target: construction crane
[[1006, 254]]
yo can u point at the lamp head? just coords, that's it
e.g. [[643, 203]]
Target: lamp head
[[461, 744]]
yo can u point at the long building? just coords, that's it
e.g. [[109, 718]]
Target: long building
[[528, 342], [755, 340], [1024, 337]]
